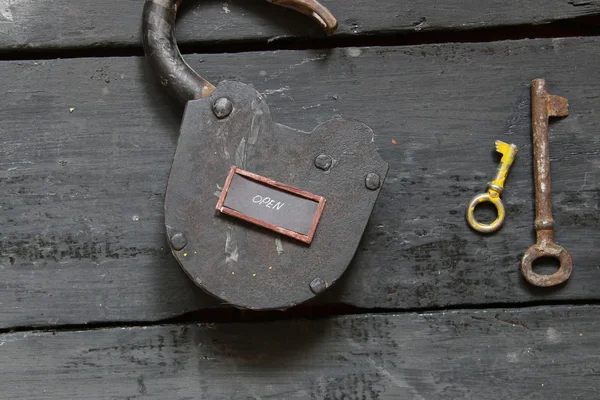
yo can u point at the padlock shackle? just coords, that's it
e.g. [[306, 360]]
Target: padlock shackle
[[160, 46]]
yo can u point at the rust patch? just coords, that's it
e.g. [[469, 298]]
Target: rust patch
[[544, 106]]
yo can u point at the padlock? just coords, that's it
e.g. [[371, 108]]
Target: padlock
[[258, 214]]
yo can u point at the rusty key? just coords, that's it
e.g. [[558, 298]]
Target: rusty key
[[544, 106]]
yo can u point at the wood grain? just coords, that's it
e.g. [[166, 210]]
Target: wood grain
[[51, 25], [81, 221], [536, 353]]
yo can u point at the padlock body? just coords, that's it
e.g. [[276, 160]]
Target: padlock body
[[246, 265]]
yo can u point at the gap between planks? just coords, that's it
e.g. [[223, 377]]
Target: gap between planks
[[585, 26], [231, 315]]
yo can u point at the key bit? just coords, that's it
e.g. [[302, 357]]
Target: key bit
[[495, 188], [544, 106]]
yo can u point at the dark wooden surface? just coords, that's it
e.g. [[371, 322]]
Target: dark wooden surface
[[533, 353], [86, 147], [83, 237], [46, 24]]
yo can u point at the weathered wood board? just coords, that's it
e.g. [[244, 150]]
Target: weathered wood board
[[81, 192], [59, 25], [536, 353]]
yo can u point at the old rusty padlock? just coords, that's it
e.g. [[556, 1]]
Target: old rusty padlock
[[291, 207]]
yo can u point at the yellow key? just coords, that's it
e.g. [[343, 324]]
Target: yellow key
[[495, 187]]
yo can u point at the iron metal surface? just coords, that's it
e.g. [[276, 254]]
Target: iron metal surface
[[246, 265], [160, 45], [544, 106]]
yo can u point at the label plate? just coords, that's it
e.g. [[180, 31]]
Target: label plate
[[270, 204]]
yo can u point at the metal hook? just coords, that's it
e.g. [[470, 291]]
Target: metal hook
[[160, 46]]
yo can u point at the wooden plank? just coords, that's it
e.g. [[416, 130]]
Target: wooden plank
[[48, 24], [538, 353], [82, 236]]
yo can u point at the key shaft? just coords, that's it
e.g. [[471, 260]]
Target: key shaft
[[509, 152]]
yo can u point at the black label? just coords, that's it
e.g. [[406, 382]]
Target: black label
[[271, 205]]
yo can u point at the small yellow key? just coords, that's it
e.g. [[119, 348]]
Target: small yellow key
[[495, 187]]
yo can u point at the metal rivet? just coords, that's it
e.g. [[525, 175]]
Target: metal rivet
[[323, 162], [372, 181], [318, 285], [222, 107], [178, 241]]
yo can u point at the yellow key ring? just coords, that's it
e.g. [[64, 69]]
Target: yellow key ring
[[483, 198]]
